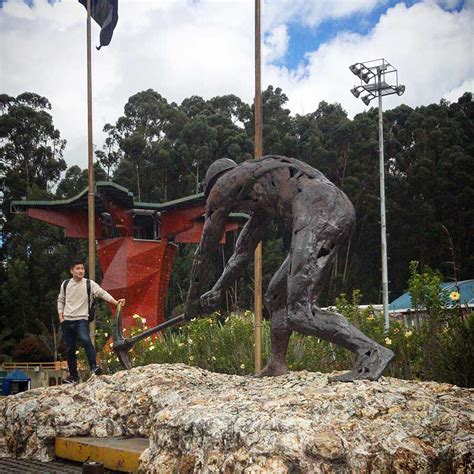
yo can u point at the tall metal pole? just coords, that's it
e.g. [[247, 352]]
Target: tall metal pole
[[383, 223], [90, 160], [258, 154]]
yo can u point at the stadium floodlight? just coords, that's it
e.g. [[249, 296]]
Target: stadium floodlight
[[356, 68], [367, 76], [367, 98], [362, 71], [373, 77], [400, 90], [356, 91]]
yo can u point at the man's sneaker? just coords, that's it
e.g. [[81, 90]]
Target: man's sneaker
[[97, 371], [70, 381]]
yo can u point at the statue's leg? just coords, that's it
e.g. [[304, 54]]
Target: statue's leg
[[313, 248], [280, 332]]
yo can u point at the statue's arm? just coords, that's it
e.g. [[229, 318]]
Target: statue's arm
[[214, 227], [247, 242]]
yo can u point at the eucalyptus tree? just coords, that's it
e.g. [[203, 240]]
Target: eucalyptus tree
[[31, 149], [31, 154]]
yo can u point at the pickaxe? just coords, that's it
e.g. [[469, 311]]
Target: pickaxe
[[123, 344]]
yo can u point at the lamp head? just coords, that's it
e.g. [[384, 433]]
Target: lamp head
[[400, 90], [355, 68], [366, 99], [367, 76], [356, 92]]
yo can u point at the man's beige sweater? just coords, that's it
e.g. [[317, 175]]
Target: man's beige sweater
[[74, 306]]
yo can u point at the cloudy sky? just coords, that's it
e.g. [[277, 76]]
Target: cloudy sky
[[202, 47]]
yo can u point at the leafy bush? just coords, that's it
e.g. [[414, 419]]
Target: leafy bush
[[446, 338]]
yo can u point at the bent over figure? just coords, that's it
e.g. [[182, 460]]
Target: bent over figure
[[320, 217]]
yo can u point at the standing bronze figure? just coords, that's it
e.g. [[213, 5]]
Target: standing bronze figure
[[320, 217]]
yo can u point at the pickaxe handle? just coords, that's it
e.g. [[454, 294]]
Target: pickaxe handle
[[123, 345], [160, 327]]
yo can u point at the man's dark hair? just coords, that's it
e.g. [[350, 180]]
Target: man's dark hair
[[75, 262]]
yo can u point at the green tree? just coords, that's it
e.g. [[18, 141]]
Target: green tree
[[31, 151], [76, 180], [110, 155], [141, 134], [34, 253]]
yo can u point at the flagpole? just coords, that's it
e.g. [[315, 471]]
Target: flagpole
[[257, 155], [90, 161]]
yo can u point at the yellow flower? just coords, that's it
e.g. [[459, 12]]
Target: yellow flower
[[242, 366], [77, 352], [190, 341], [181, 344], [151, 347], [191, 357], [408, 333], [396, 330], [370, 317], [388, 341], [454, 295], [213, 358]]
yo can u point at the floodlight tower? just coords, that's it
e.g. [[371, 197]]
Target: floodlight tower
[[373, 80]]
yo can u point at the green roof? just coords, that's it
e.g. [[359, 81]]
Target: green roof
[[119, 195], [107, 190]]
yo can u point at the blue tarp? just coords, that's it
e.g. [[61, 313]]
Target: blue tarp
[[464, 288], [15, 376]]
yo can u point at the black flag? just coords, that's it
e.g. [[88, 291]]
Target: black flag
[[105, 13]]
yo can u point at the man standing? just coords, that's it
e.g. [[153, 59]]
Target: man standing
[[320, 217], [74, 301]]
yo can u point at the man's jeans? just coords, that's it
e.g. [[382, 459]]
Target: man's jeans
[[72, 330]]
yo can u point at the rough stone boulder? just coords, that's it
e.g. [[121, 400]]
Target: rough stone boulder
[[199, 421]]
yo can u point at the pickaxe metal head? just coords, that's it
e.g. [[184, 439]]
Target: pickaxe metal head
[[121, 344]]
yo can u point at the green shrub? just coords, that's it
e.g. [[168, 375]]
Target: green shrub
[[446, 337]]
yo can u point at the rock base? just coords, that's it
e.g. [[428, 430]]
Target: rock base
[[199, 421]]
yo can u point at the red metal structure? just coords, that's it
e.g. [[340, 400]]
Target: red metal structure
[[136, 241]]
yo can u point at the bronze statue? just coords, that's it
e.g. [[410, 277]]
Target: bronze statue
[[320, 216]]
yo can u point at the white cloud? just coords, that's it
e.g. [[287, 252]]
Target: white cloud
[[275, 44], [431, 48], [453, 94], [182, 48], [312, 13]]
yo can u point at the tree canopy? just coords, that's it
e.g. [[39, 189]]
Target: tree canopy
[[161, 150]]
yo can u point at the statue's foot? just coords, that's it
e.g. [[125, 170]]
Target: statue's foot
[[273, 370], [369, 366]]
